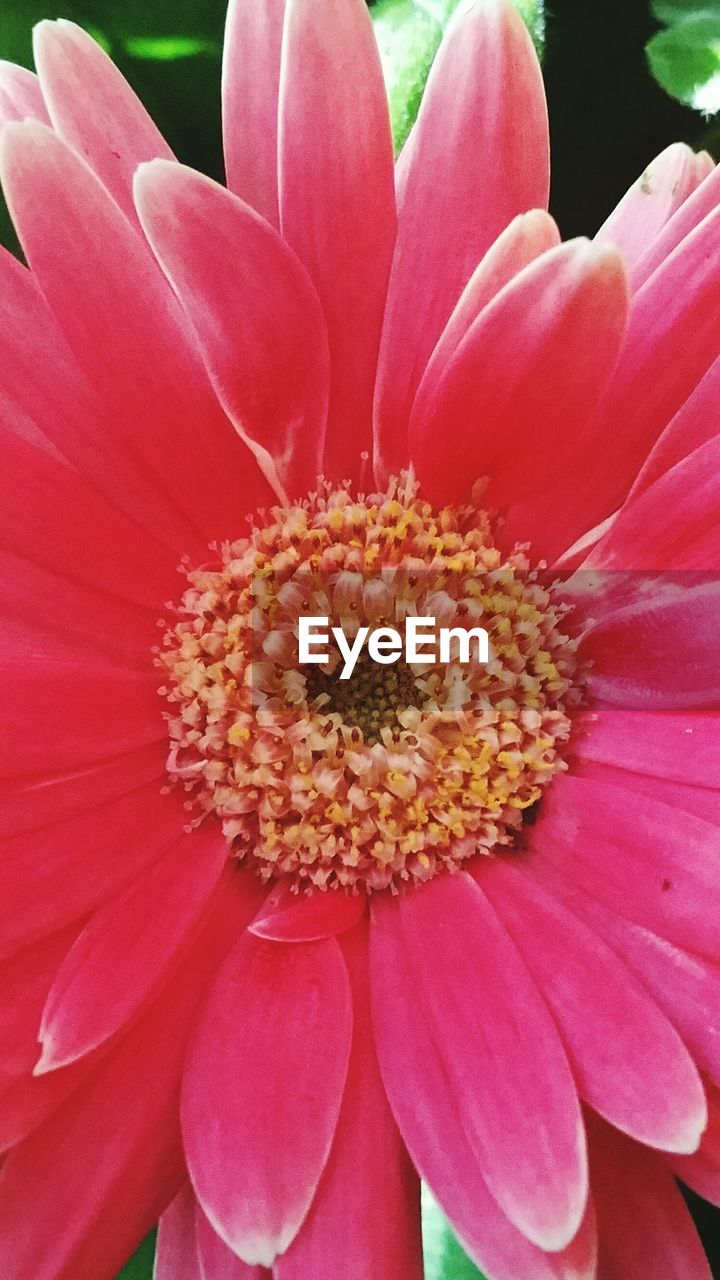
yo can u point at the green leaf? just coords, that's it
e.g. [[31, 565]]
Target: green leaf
[[685, 60], [140, 1266], [444, 1257], [408, 34], [672, 11]]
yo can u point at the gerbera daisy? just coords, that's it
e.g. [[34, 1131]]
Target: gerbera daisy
[[275, 946]]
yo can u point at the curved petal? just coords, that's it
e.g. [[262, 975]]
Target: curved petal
[[289, 917], [21, 97], [693, 425], [645, 1228], [53, 876], [32, 801], [250, 86], [25, 980], [432, 1118], [274, 1036], [114, 134], [484, 98], [672, 340], [523, 240], [676, 747], [128, 948], [659, 654], [701, 1171], [126, 330], [337, 202], [357, 1235], [551, 337], [502, 1070], [651, 201], [176, 1254], [701, 202], [628, 1061], [264, 344], [66, 1213], [649, 863], [217, 1262]]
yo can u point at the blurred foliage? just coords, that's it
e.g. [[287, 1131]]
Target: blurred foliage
[[685, 58], [140, 1266]]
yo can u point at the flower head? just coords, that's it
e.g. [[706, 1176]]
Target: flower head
[[275, 943]]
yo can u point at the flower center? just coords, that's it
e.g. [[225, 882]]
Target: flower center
[[403, 768]]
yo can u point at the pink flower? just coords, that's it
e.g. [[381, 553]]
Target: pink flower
[[535, 1034]]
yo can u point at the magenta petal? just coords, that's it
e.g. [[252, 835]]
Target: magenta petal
[[375, 1231], [701, 1171], [645, 1228], [262, 1089], [552, 336], [649, 863], [484, 97], [433, 1119], [219, 256], [250, 84], [659, 654], [25, 980], [292, 917], [675, 747], [217, 1261], [627, 1058], [93, 107], [501, 1072], [337, 202], [126, 951]]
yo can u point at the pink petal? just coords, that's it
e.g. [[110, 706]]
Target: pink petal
[[25, 980], [289, 917], [636, 651], [79, 1194], [98, 546], [525, 239], [672, 340], [643, 538], [219, 257], [21, 97], [627, 1059], [217, 1262], [42, 388], [701, 801], [250, 85], [701, 1171], [501, 1071], [675, 747], [337, 205], [42, 800], [376, 1230], [274, 1037], [130, 946], [645, 1228], [685, 987], [643, 212], [431, 1114], [116, 134], [703, 201], [57, 874], [550, 337], [484, 97], [176, 1254], [126, 330], [693, 425], [648, 862]]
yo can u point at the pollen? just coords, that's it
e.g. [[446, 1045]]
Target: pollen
[[401, 771]]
